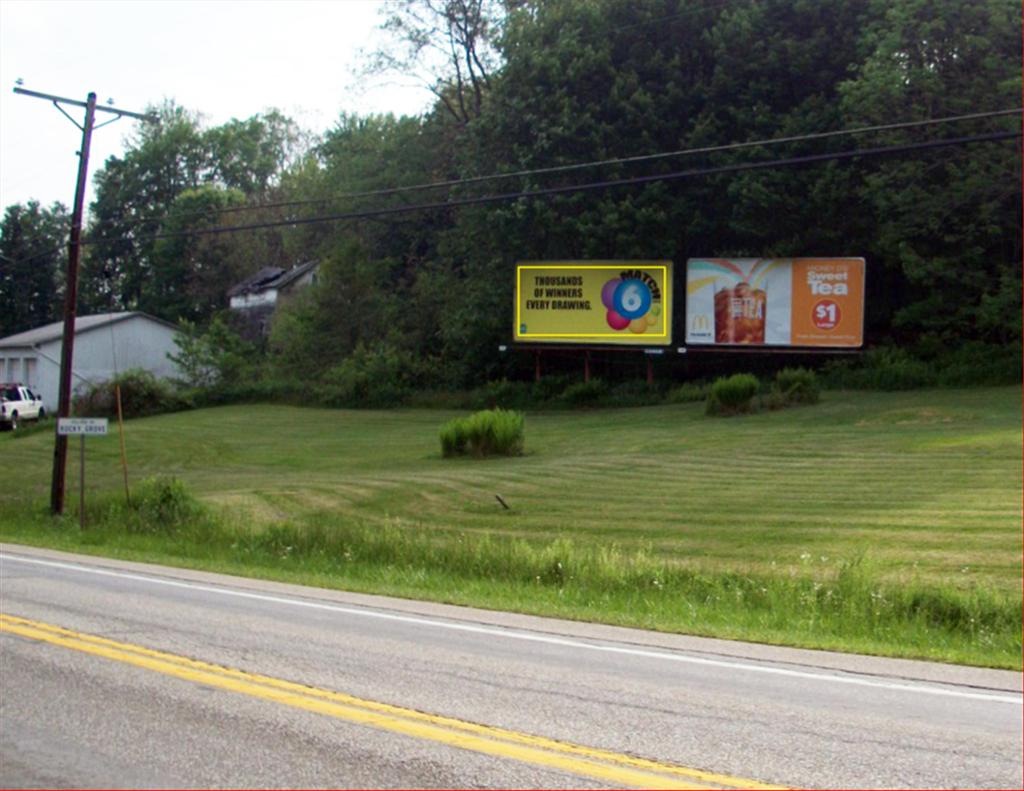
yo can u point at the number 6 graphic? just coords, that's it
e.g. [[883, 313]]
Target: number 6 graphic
[[632, 299]]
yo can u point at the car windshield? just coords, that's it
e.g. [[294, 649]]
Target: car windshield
[[10, 394]]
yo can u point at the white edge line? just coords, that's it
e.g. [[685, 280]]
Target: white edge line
[[528, 636]]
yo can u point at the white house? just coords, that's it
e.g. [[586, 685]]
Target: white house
[[105, 345]]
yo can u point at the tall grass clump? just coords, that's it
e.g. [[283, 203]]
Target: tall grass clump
[[490, 432], [732, 395], [158, 506]]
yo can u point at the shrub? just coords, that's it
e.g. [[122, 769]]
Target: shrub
[[142, 394], [885, 368], [584, 394], [631, 393], [549, 388], [504, 394], [796, 386], [215, 357], [977, 363], [688, 393], [732, 395], [492, 432], [375, 376]]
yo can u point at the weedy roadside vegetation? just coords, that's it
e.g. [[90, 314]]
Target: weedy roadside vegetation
[[839, 605]]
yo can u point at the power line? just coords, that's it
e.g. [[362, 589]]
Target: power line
[[594, 186], [591, 164]]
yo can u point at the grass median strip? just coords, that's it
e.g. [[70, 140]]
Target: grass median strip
[[603, 765]]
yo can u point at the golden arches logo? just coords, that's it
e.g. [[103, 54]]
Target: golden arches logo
[[700, 323]]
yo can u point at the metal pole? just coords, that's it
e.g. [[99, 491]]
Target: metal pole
[[81, 485], [60, 448], [124, 456]]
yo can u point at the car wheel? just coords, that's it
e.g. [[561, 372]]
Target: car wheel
[[14, 421], [42, 413]]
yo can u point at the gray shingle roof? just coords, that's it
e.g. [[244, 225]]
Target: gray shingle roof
[[55, 331]]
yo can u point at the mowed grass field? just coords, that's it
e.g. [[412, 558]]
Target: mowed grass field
[[913, 489]]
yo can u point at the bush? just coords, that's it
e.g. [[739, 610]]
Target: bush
[[632, 393], [142, 394], [796, 386], [549, 388], [976, 363], [688, 393], [376, 376], [885, 368], [493, 432], [216, 357], [732, 395], [504, 394], [584, 394]]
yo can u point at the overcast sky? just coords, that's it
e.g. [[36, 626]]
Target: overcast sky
[[224, 58]]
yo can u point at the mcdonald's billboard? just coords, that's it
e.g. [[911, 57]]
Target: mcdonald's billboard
[[626, 303], [775, 302]]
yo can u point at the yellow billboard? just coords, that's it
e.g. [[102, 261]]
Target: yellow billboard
[[594, 302]]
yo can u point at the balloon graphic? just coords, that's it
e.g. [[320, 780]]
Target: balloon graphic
[[615, 321], [608, 292], [632, 299], [638, 325]]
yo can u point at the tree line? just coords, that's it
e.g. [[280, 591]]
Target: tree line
[[541, 87]]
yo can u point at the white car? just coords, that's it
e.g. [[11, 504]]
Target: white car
[[18, 403]]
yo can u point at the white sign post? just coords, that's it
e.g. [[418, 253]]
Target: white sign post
[[82, 427]]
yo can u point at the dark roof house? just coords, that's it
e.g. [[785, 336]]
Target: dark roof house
[[256, 298]]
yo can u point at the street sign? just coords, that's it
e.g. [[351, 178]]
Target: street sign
[[82, 426]]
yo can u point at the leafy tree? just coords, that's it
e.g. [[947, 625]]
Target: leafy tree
[[192, 271], [171, 170], [216, 356], [349, 305], [451, 40], [948, 223], [251, 155], [33, 249], [133, 193]]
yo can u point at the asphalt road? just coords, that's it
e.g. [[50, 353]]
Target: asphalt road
[[118, 674]]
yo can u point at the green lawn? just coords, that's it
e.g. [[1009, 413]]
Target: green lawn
[[920, 488]]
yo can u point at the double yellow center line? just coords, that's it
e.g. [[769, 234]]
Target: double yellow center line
[[613, 768]]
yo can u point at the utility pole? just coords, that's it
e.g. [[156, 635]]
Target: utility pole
[[60, 448]]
